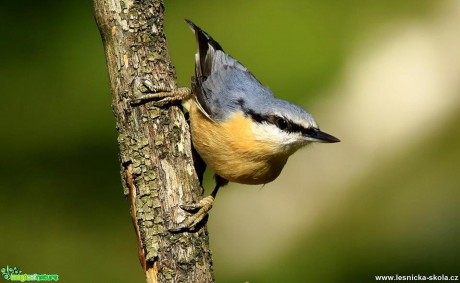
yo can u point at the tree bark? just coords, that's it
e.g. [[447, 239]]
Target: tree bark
[[155, 149]]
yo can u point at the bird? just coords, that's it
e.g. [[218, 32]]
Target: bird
[[238, 127]]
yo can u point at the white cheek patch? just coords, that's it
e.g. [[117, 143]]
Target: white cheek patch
[[269, 133]]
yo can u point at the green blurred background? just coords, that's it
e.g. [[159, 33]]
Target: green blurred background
[[384, 76]]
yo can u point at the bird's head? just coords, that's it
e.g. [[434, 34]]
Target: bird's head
[[284, 125]]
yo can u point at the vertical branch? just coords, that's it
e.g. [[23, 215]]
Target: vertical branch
[[155, 148]]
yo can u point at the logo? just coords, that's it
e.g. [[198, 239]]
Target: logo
[[15, 274]]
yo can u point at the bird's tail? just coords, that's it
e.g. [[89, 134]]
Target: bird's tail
[[206, 49]]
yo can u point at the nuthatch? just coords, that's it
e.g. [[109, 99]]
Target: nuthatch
[[238, 127]]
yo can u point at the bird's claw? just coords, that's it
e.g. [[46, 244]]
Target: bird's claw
[[200, 211], [159, 95]]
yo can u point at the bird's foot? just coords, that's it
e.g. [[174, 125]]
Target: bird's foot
[[159, 95], [200, 211]]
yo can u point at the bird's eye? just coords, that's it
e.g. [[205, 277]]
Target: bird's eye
[[281, 123]]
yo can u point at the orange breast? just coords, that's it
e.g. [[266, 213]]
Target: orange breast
[[232, 152]]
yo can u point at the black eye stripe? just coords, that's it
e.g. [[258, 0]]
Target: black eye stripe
[[255, 116], [310, 131], [282, 123]]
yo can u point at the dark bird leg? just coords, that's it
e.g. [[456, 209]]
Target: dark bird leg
[[220, 182], [200, 210]]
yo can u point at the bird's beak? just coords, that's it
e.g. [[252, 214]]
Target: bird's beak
[[318, 136]]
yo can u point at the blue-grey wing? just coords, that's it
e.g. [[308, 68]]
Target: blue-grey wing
[[229, 87]]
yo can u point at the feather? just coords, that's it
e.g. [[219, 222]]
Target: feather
[[221, 83]]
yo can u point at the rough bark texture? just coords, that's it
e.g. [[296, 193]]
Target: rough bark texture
[[155, 149]]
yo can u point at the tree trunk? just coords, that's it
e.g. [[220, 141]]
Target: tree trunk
[[155, 149]]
